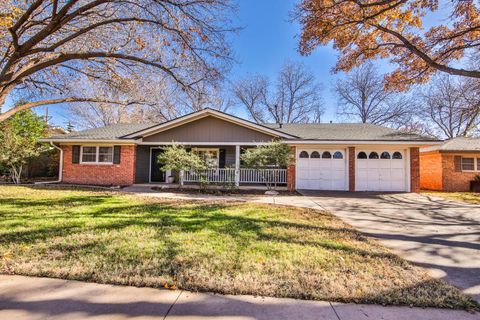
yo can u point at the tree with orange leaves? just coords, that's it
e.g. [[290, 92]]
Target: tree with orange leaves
[[364, 30]]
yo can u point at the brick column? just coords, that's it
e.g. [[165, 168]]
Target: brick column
[[291, 170], [351, 169], [414, 169]]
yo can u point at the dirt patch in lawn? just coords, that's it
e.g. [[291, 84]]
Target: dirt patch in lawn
[[234, 248]]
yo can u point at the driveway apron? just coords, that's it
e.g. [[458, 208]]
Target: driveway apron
[[435, 233]]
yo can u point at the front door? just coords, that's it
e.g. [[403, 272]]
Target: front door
[[157, 174]]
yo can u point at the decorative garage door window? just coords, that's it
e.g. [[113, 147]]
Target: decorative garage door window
[[397, 155], [338, 155], [380, 170], [321, 170], [362, 155]]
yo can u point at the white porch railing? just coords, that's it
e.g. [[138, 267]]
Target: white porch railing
[[263, 175], [245, 175], [210, 175]]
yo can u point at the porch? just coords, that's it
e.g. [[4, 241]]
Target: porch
[[225, 168]]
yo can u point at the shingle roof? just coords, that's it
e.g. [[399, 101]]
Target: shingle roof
[[111, 132], [321, 131], [347, 131], [460, 144]]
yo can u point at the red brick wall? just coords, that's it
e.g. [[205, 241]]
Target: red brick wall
[[291, 177], [456, 181], [431, 172], [414, 169], [351, 169], [100, 174]]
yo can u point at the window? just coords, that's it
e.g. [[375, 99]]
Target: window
[[326, 155], [315, 155], [373, 155], [89, 154], [105, 154], [338, 155], [385, 155], [209, 156], [96, 154], [362, 155], [303, 154], [397, 155], [468, 164]]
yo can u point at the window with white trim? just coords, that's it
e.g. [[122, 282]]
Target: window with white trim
[[468, 164], [211, 157], [96, 154]]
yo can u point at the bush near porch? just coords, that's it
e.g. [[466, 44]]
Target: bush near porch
[[221, 247]]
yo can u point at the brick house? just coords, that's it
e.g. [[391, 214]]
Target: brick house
[[349, 157], [450, 166]]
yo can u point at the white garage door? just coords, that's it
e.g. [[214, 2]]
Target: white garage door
[[380, 170], [321, 169]]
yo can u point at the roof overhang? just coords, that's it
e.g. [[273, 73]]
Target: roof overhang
[[205, 113], [364, 142], [115, 141]]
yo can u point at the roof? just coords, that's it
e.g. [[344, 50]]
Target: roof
[[111, 132], [292, 132], [347, 132], [457, 144]]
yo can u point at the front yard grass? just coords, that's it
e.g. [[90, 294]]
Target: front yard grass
[[469, 197], [220, 247]]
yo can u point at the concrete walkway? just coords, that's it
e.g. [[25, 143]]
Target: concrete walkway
[[438, 234], [26, 298]]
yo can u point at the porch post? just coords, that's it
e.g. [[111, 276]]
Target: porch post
[[237, 165]]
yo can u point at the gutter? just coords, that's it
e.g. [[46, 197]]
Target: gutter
[[116, 141], [60, 167], [364, 142]]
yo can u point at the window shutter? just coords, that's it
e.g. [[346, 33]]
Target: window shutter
[[458, 163], [116, 154], [75, 154], [221, 160]]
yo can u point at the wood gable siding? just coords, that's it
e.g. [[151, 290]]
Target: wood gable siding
[[209, 129]]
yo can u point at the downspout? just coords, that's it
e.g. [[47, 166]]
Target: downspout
[[60, 166]]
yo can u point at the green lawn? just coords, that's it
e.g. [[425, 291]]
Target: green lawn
[[470, 197], [226, 248]]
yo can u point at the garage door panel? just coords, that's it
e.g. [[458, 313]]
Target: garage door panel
[[362, 164], [382, 164], [398, 164]]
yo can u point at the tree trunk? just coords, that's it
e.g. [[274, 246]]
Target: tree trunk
[[16, 174]]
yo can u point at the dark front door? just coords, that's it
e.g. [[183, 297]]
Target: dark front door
[[157, 174]]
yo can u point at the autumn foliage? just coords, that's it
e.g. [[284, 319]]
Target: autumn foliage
[[397, 30]]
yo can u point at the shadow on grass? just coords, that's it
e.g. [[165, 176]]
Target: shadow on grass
[[106, 214]]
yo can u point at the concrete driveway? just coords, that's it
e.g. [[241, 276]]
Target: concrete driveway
[[435, 233]]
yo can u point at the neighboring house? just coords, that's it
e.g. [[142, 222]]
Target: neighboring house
[[450, 166], [354, 157]]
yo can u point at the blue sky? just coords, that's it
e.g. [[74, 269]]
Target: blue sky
[[267, 40]]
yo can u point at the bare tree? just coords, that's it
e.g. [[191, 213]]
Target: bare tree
[[204, 95], [45, 45], [362, 97], [162, 100], [295, 98], [451, 106]]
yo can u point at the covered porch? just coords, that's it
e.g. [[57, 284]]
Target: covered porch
[[224, 167]]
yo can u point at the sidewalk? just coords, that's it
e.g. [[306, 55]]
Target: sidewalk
[[23, 298]]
